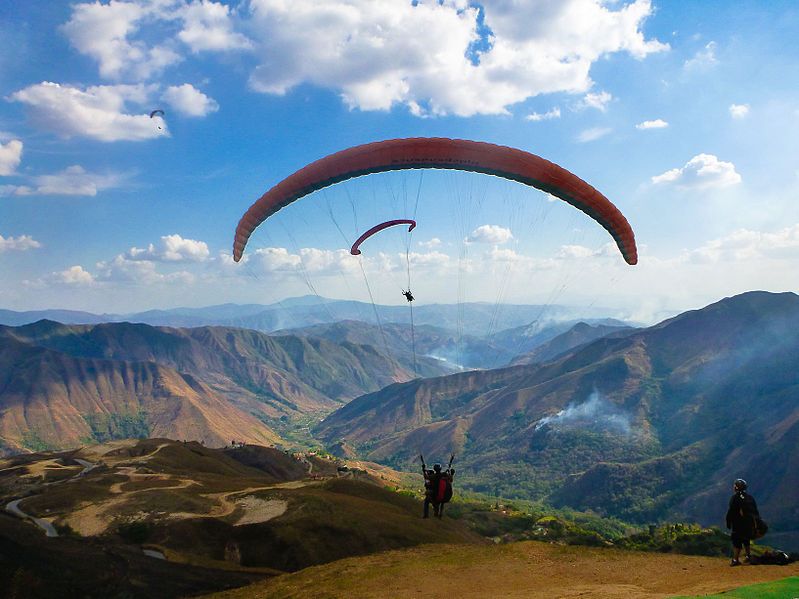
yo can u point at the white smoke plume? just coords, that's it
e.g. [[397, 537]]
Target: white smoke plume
[[595, 413]]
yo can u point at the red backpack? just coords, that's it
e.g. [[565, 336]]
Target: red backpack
[[442, 489]]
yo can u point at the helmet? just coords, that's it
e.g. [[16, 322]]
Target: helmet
[[437, 467], [740, 484]]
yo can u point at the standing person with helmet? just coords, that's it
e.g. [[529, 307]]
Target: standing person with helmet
[[429, 482], [741, 519], [437, 487]]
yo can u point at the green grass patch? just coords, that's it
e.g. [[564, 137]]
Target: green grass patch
[[787, 588], [121, 425], [33, 441]]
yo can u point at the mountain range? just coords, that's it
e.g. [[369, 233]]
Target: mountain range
[[642, 425], [476, 319], [63, 385]]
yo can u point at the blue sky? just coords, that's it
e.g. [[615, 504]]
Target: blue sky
[[684, 114]]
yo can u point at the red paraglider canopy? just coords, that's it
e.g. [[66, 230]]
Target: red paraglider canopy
[[377, 228], [440, 153]]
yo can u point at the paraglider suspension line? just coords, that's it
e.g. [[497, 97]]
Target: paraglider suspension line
[[408, 268]]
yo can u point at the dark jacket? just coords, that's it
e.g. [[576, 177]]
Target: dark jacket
[[741, 515]]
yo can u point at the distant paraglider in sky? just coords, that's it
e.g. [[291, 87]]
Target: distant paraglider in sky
[[355, 249], [157, 112], [440, 153]]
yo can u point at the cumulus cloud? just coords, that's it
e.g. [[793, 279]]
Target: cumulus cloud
[[208, 26], [103, 32], [593, 134], [172, 248], [433, 56], [73, 180], [544, 116], [97, 112], [746, 244], [703, 171], [739, 111], [188, 100], [141, 272], [655, 124], [493, 234], [427, 259], [598, 101], [21, 243], [10, 156], [307, 261], [75, 275]]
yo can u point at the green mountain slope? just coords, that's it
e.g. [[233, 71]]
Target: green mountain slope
[[650, 425]]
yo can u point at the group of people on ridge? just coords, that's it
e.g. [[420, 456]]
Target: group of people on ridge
[[743, 518]]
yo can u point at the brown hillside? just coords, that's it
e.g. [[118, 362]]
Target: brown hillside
[[56, 400], [644, 427], [517, 570]]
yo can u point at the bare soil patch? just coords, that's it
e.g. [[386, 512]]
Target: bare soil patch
[[257, 510]]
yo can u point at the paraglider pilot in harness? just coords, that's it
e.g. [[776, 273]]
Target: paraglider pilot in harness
[[408, 295], [437, 487]]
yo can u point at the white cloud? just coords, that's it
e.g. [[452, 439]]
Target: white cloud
[[575, 251], [208, 26], [378, 53], [10, 156], [73, 180], [655, 124], [307, 261], [188, 100], [433, 243], [275, 260], [427, 260], [74, 275], [598, 101], [593, 134], [739, 111], [327, 261], [703, 171], [141, 272], [746, 244], [703, 59], [505, 255], [102, 31], [493, 234], [21, 243], [97, 112], [172, 248], [581, 252], [545, 116]]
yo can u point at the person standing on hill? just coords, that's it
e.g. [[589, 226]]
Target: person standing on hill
[[741, 517], [430, 479]]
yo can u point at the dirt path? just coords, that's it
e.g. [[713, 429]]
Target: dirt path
[[227, 506], [518, 570], [45, 525], [92, 520]]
